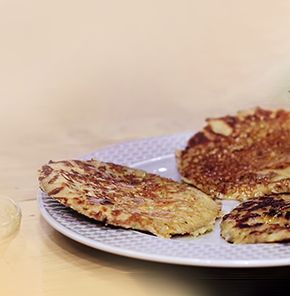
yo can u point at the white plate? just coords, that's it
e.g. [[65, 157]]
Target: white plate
[[156, 155]]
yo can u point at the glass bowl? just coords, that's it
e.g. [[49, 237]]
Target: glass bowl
[[10, 218]]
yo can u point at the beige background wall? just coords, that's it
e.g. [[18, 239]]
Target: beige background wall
[[122, 63]]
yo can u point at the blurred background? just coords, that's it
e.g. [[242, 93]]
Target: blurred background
[[77, 63]]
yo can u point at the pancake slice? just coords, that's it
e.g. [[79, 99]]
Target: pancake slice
[[239, 157], [262, 220], [129, 198]]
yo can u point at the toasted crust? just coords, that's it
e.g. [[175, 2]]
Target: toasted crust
[[240, 157], [129, 198], [262, 220]]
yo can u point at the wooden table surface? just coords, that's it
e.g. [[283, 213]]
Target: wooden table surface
[[77, 76]]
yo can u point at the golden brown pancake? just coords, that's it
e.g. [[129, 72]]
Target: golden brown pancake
[[262, 220], [239, 157], [130, 198]]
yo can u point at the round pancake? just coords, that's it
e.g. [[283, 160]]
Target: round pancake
[[129, 198], [239, 157], [262, 220]]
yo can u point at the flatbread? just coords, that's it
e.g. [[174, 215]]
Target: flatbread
[[262, 220], [130, 198], [239, 157]]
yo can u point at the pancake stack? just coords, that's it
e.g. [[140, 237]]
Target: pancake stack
[[245, 157]]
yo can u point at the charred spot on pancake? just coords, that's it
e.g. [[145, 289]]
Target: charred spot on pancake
[[247, 216], [46, 170], [287, 216], [199, 138], [55, 191]]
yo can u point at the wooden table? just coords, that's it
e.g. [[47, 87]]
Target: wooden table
[[77, 76]]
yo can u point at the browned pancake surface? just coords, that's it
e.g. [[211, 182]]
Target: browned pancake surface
[[240, 157], [129, 198], [262, 220]]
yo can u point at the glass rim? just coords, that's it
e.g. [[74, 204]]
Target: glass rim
[[17, 213]]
